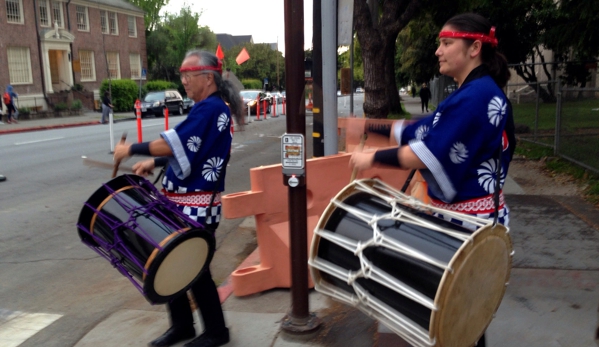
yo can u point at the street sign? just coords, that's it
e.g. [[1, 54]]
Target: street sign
[[292, 154], [144, 73]]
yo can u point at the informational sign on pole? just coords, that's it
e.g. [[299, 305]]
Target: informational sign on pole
[[292, 154]]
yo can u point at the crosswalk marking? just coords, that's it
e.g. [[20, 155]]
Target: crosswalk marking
[[16, 326]]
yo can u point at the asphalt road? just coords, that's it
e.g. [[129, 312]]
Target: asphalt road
[[45, 267]]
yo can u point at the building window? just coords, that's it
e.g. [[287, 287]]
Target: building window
[[114, 29], [104, 22], [88, 67], [19, 65], [135, 63], [132, 26], [114, 70], [14, 13], [44, 14], [82, 24], [57, 13]]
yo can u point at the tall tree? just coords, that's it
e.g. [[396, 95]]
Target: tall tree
[[377, 40], [262, 63], [152, 9]]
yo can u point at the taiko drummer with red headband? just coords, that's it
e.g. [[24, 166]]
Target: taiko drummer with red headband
[[464, 148], [197, 151]]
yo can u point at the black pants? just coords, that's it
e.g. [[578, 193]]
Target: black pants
[[207, 300], [206, 297], [424, 103]]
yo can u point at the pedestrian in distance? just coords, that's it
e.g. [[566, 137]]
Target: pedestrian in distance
[[9, 100], [106, 107], [197, 151], [464, 149], [425, 95]]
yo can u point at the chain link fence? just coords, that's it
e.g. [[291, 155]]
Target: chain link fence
[[566, 119]]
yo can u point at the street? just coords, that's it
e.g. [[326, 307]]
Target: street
[[47, 273]]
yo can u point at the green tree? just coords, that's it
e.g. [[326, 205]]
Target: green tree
[[264, 62], [152, 9], [172, 38]]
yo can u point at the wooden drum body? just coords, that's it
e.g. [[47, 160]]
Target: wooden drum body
[[433, 282]]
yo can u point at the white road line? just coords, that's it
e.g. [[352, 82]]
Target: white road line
[[37, 141], [16, 327]]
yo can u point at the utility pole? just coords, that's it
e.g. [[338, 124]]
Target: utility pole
[[317, 109]]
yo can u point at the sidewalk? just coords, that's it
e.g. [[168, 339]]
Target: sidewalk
[[551, 300]]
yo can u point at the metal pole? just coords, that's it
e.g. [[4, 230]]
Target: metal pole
[[317, 109], [329, 76], [299, 319], [558, 119], [351, 75]]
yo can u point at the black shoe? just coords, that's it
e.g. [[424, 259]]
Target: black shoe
[[209, 340], [172, 336]]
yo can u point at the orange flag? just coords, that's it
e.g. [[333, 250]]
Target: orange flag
[[242, 57], [219, 53]]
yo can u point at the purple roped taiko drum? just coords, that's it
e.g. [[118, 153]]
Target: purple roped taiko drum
[[143, 235]]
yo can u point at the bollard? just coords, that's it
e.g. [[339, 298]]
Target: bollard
[[284, 102], [258, 109], [138, 116], [249, 113], [166, 118], [274, 110], [264, 108]]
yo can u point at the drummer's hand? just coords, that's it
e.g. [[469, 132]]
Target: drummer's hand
[[144, 168], [362, 160], [121, 151]]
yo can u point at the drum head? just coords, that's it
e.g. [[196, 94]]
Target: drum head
[[469, 296], [174, 269]]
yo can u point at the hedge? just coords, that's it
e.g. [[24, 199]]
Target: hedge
[[124, 94]]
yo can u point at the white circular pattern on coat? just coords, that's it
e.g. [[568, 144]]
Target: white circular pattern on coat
[[212, 168], [222, 122], [194, 143], [486, 175], [496, 110], [436, 119], [421, 132], [458, 153]]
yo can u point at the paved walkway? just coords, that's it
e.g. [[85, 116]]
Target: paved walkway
[[551, 300]]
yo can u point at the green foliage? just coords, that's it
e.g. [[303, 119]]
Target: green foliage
[[152, 9], [24, 110], [264, 62], [61, 106], [76, 104], [159, 85], [251, 83], [172, 38], [124, 93], [344, 58], [78, 87]]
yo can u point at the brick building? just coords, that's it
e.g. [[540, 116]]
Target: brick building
[[50, 47]]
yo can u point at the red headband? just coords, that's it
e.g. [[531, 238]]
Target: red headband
[[218, 68], [491, 39]]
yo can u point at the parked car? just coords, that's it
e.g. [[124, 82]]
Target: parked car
[[252, 97], [155, 103], [187, 104], [277, 97], [359, 90]]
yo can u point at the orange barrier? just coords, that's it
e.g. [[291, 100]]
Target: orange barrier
[[166, 118], [258, 110], [267, 201]]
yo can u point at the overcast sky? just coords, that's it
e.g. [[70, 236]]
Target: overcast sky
[[263, 19]]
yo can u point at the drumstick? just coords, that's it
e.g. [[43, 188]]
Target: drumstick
[[118, 162], [103, 165], [360, 147]]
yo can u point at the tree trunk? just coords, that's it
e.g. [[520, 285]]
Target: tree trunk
[[377, 41]]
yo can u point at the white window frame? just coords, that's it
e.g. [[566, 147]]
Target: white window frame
[[19, 65], [135, 64], [132, 26], [104, 22], [113, 23], [112, 59], [48, 16], [82, 18], [57, 12], [87, 61], [19, 9]]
